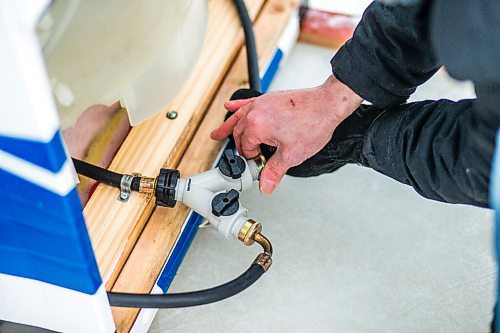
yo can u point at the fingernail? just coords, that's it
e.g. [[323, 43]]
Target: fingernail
[[267, 186]]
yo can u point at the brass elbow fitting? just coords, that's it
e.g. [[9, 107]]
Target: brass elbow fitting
[[264, 242], [251, 233]]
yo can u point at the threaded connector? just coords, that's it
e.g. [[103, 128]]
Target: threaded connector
[[256, 165], [248, 231], [147, 185]]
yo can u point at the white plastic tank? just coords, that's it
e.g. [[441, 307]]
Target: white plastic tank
[[137, 52]]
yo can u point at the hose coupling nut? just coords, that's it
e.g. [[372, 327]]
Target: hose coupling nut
[[248, 231], [264, 260], [166, 184]]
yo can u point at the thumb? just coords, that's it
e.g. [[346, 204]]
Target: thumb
[[272, 174]]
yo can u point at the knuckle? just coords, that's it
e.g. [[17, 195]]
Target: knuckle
[[247, 148], [240, 113], [237, 131], [254, 119], [287, 156]]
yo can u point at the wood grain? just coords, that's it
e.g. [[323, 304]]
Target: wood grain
[[160, 234], [115, 226]]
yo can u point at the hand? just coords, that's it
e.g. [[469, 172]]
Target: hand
[[297, 122]]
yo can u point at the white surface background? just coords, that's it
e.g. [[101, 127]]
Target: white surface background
[[354, 251]]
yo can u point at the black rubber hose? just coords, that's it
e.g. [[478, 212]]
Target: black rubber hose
[[103, 175], [251, 47], [194, 298]]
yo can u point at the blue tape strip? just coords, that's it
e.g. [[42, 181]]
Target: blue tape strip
[[43, 236], [271, 70], [48, 155], [179, 252], [495, 204]]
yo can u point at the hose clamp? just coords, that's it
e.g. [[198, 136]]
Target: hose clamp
[[264, 260], [125, 187]]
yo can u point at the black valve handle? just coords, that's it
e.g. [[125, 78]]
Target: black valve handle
[[226, 204], [232, 165]]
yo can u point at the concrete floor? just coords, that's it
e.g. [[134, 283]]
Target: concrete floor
[[354, 251]]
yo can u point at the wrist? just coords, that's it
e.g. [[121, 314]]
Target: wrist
[[343, 99]]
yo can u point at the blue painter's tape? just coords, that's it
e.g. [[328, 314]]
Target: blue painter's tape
[[48, 155], [179, 251], [271, 70], [43, 236], [495, 204]]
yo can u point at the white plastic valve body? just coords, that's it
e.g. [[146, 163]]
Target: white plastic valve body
[[197, 192], [200, 200]]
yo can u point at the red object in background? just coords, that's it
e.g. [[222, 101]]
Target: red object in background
[[327, 29]]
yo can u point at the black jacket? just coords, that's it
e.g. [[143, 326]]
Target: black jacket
[[441, 148]]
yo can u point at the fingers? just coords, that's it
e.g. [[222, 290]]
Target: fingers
[[232, 106], [250, 145], [227, 127], [237, 134], [273, 173]]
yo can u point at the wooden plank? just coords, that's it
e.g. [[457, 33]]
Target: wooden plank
[[160, 234], [326, 29], [114, 226]]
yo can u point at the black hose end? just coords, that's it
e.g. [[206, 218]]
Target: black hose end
[[165, 187], [136, 183]]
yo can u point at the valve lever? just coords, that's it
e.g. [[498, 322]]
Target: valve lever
[[226, 204], [232, 165]]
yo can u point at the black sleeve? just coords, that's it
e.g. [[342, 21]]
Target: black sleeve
[[443, 149], [389, 55]]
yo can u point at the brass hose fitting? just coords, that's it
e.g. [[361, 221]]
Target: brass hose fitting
[[264, 242], [251, 233], [248, 231], [147, 185], [260, 161]]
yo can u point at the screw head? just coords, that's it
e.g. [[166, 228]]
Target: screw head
[[172, 114]]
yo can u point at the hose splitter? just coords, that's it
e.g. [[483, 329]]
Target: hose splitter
[[213, 194]]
